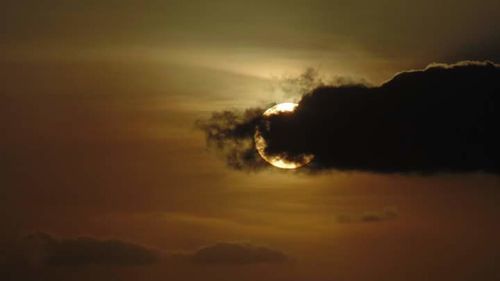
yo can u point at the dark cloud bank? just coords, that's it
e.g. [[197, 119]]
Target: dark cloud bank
[[440, 119], [43, 249], [39, 250]]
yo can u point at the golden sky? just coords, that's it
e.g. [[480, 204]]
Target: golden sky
[[98, 104]]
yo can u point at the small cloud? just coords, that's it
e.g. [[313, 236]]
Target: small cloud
[[370, 216], [231, 253]]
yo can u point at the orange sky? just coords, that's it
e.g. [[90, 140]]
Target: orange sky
[[98, 102]]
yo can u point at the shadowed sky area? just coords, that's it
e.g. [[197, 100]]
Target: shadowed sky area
[[105, 174]]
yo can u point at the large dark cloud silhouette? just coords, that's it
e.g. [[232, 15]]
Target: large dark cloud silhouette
[[440, 119]]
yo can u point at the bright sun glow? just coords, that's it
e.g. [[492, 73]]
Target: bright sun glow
[[281, 107], [261, 144]]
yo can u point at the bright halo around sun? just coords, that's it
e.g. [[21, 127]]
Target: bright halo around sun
[[261, 144]]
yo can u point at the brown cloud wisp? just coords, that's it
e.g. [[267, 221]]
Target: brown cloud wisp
[[230, 253]]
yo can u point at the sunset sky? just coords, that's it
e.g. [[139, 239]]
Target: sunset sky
[[106, 175]]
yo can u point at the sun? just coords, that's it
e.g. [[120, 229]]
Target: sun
[[281, 107], [261, 144]]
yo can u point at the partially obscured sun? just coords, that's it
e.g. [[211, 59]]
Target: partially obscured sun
[[261, 144]]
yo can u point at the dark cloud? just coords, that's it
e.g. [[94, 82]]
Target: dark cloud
[[41, 249], [228, 253], [440, 119], [231, 133], [387, 213]]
